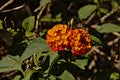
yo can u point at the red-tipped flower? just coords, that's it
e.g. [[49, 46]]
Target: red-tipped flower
[[61, 37]]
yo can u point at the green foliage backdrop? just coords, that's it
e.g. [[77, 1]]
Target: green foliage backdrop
[[25, 55]]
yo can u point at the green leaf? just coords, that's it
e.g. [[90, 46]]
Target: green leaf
[[103, 10], [36, 45], [43, 32], [115, 4], [95, 39], [42, 79], [48, 18], [54, 56], [13, 32], [1, 27], [37, 40], [66, 76], [52, 77], [42, 3], [17, 77], [28, 34], [86, 11], [81, 63], [96, 1], [10, 63], [58, 16], [108, 28], [115, 76], [28, 23]]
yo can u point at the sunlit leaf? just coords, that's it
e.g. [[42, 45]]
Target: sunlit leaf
[[28, 34], [17, 77], [42, 3], [108, 28], [86, 11], [115, 4], [103, 10], [36, 45], [96, 1], [48, 18], [10, 63], [66, 76], [13, 32], [115, 76], [28, 23]]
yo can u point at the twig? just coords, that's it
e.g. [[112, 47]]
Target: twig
[[37, 9], [110, 43], [116, 34], [6, 4], [93, 62], [90, 18], [70, 5], [95, 48], [108, 14], [13, 9], [9, 74], [39, 15], [95, 26]]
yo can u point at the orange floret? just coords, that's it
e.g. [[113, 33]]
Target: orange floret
[[57, 37], [80, 42]]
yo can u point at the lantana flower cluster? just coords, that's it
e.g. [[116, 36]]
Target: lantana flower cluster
[[61, 37]]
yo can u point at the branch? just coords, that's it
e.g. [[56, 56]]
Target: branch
[[39, 15], [110, 43], [14, 9], [6, 4], [90, 18], [108, 14]]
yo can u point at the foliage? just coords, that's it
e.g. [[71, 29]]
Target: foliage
[[108, 28], [10, 63], [85, 11], [29, 29]]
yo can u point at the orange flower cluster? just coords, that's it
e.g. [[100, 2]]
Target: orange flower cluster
[[57, 37], [61, 37], [80, 42]]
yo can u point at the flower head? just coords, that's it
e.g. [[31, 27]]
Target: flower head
[[80, 42], [57, 37], [61, 37]]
